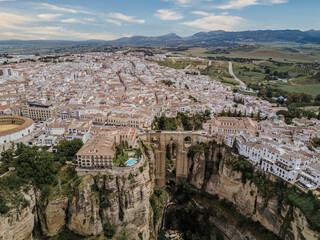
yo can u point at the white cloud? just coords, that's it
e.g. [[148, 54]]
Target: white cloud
[[200, 13], [82, 21], [181, 2], [21, 26], [114, 22], [187, 3], [89, 19], [48, 16], [61, 9], [210, 21], [126, 18], [71, 20], [10, 20], [239, 4], [168, 14]]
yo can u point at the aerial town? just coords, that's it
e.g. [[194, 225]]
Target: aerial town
[[104, 99]]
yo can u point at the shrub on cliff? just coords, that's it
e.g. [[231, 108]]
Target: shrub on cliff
[[3, 205], [184, 192], [109, 230]]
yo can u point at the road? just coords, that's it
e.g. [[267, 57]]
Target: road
[[5, 174], [242, 84], [187, 67]]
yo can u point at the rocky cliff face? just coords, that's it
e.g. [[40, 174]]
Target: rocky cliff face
[[84, 205], [18, 223], [129, 201], [55, 216], [227, 184], [84, 217], [121, 200]]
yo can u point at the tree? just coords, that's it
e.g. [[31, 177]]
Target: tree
[[138, 152], [122, 235], [68, 149], [262, 92], [184, 192], [109, 230], [207, 113], [35, 165], [235, 146]]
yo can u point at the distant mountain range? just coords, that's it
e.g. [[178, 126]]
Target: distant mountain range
[[222, 38], [204, 39]]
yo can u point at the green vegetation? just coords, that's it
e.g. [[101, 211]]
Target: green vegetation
[[280, 190], [243, 53], [177, 64], [35, 164], [193, 98], [218, 70], [187, 121], [168, 83], [157, 201], [296, 113], [109, 230], [38, 167], [227, 212], [307, 203], [67, 234], [183, 63], [312, 89], [10, 192], [122, 151], [121, 156], [3, 206], [123, 235], [67, 149], [170, 163], [188, 215], [316, 142]]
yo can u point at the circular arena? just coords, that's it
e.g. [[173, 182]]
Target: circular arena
[[13, 127]]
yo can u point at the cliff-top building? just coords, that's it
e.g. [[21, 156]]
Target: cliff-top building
[[97, 153]]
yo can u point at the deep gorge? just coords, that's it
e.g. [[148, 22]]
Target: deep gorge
[[222, 197]]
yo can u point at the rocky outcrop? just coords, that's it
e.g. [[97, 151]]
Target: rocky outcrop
[[55, 215], [129, 201], [84, 205], [120, 199], [300, 227], [84, 217], [227, 184], [230, 231], [18, 223]]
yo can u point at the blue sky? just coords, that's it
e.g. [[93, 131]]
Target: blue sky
[[111, 19]]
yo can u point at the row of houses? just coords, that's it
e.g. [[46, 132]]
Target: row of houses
[[273, 147]]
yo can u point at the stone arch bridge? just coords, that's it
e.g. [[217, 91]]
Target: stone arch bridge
[[183, 141]]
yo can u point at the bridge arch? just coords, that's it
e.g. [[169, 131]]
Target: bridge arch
[[182, 141]]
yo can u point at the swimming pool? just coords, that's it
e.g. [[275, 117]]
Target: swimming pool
[[131, 162]]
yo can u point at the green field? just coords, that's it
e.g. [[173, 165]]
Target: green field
[[313, 89], [281, 54], [218, 70]]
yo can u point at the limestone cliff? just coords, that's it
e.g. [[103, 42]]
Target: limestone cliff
[[55, 215], [84, 217], [119, 199], [228, 184], [18, 222]]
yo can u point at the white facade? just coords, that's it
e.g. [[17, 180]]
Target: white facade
[[16, 135]]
